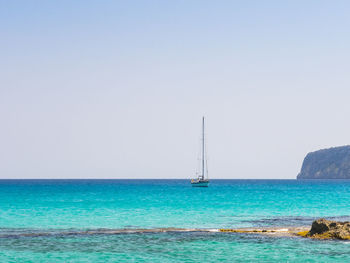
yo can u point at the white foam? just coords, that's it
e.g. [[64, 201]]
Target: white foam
[[282, 230]]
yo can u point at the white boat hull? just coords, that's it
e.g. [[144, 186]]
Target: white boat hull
[[200, 183]]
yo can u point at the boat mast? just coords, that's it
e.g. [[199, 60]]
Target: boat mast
[[203, 171]]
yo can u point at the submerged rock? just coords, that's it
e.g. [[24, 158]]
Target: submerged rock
[[333, 163], [327, 229]]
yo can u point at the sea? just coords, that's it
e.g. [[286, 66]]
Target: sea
[[139, 220]]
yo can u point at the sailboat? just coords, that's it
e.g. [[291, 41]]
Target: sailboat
[[202, 179]]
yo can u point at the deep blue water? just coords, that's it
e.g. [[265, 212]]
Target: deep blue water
[[42, 220]]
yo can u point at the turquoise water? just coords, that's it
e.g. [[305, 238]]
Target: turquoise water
[[45, 220]]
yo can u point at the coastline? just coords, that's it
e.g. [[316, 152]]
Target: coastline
[[273, 231]]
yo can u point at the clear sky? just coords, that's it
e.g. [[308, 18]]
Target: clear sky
[[117, 89]]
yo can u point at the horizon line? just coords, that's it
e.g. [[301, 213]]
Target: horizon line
[[155, 179]]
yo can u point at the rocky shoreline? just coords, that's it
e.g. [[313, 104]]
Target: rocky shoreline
[[273, 231], [327, 229], [320, 229]]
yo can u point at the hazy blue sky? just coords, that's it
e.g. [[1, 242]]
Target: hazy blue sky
[[117, 89]]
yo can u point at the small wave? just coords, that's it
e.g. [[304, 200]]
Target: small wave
[[281, 221]]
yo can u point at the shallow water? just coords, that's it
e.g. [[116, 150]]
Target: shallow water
[[43, 220]]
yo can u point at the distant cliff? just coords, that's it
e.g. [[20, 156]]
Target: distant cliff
[[333, 163]]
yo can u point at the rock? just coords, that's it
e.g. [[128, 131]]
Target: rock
[[333, 163], [320, 226], [327, 229]]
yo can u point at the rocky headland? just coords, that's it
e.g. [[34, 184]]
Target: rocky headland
[[332, 163]]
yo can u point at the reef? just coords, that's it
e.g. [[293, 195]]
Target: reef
[[271, 231], [320, 229], [327, 229]]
